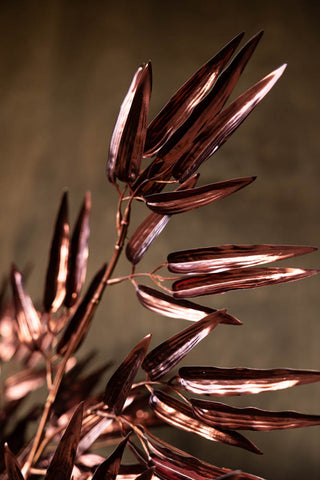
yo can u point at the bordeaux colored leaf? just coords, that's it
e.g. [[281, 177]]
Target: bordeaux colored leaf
[[205, 113], [166, 355], [159, 302], [80, 321], [223, 416], [128, 138], [180, 106], [55, 287], [150, 228], [174, 464], [108, 470], [180, 415], [62, 462], [147, 474], [227, 257], [171, 203], [236, 279], [235, 475], [29, 326], [120, 383], [215, 132], [78, 254], [241, 381], [12, 466]]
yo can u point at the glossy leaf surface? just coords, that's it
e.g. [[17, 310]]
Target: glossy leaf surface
[[78, 256], [29, 326], [215, 132], [169, 353], [180, 415], [163, 304], [236, 279], [108, 470], [120, 383], [80, 321], [171, 203], [223, 416], [242, 381], [62, 462], [55, 286], [128, 138], [183, 102], [227, 257], [12, 466]]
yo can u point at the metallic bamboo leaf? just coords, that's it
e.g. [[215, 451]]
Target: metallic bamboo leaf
[[180, 415], [12, 466], [19, 385], [236, 279], [223, 416], [204, 114], [108, 470], [242, 381], [55, 287], [171, 203], [150, 228], [128, 138], [221, 127], [62, 462], [120, 383], [174, 464], [166, 355], [29, 326], [81, 319], [77, 265], [227, 257], [180, 106], [163, 304]]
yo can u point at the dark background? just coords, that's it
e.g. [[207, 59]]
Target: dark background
[[65, 67]]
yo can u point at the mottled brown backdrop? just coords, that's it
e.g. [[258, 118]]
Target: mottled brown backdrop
[[65, 67]]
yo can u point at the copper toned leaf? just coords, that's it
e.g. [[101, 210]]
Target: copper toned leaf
[[171, 203], [12, 466], [108, 470], [55, 287], [78, 254], [159, 302], [147, 474], [223, 416], [204, 114], [241, 381], [174, 464], [227, 257], [81, 319], [29, 326], [169, 353], [19, 385], [128, 138], [236, 279], [150, 228], [180, 106], [180, 415], [119, 385], [62, 462]]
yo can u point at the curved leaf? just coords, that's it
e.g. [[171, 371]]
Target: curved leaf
[[159, 302], [128, 138], [108, 470], [78, 254], [227, 257], [236, 279], [29, 325], [180, 106], [171, 203], [62, 462], [55, 286], [166, 355], [119, 385], [242, 381], [181, 416], [223, 416], [12, 466]]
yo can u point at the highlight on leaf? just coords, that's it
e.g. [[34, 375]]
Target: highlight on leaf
[[195, 286]]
